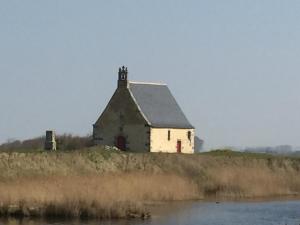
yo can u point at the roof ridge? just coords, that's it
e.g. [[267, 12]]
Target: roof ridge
[[151, 83]]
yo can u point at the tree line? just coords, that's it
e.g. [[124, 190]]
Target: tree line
[[65, 142]]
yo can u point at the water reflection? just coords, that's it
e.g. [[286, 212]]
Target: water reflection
[[199, 213], [31, 221]]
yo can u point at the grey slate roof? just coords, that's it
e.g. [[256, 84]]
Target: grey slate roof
[[158, 105]]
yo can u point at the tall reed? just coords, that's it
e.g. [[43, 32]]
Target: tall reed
[[107, 196]]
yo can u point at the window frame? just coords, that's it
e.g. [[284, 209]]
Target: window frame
[[189, 135], [169, 135]]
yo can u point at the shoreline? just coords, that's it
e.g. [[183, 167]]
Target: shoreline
[[278, 198], [230, 200], [153, 209], [144, 211]]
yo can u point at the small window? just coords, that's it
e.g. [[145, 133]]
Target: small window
[[189, 134], [169, 135]]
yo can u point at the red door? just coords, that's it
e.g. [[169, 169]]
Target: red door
[[121, 143], [178, 146]]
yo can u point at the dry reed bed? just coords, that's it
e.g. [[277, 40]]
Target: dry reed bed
[[107, 196], [253, 182], [103, 184]]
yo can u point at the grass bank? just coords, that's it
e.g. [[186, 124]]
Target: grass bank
[[98, 183]]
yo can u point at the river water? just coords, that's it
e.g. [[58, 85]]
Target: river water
[[202, 213]]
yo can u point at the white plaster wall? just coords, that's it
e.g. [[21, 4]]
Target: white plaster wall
[[160, 143]]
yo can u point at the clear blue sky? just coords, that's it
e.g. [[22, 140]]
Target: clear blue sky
[[234, 66]]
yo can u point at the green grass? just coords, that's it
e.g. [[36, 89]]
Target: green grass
[[231, 153]]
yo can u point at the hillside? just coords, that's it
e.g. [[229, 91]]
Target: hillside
[[108, 183]]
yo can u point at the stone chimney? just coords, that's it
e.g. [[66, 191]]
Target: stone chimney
[[123, 75], [50, 142]]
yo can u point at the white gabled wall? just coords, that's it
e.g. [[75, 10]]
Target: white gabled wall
[[159, 141]]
